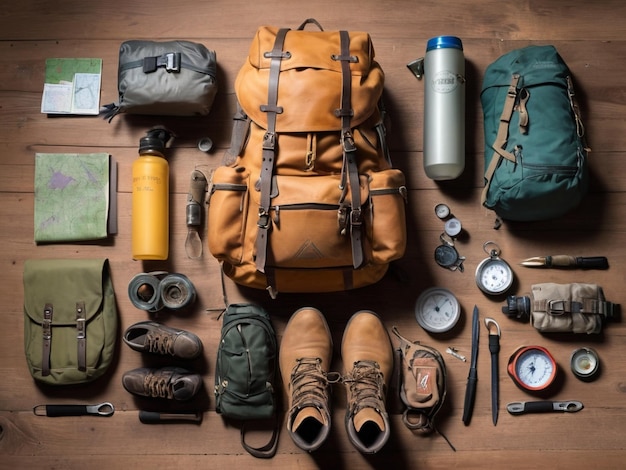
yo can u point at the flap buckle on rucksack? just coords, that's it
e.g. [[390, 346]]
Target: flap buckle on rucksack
[[355, 217], [348, 142], [264, 219], [269, 141]]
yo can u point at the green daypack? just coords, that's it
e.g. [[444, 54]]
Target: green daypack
[[245, 370], [535, 152], [70, 319]]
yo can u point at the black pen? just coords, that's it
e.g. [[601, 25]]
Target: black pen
[[472, 379]]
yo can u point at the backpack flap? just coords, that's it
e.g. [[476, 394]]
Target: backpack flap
[[70, 320], [309, 62]]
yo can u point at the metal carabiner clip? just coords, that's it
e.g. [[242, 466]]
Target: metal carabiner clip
[[490, 321]]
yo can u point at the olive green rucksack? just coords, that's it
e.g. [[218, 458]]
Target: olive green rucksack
[[70, 319], [535, 154], [245, 371]]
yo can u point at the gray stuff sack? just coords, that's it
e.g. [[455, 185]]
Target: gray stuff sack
[[172, 78]]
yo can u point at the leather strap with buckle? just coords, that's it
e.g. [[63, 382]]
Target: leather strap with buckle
[[81, 336], [47, 339]]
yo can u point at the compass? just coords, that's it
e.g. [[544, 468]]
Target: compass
[[532, 368], [446, 255], [494, 276], [437, 310]]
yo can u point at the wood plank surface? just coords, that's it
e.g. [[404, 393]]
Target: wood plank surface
[[591, 37]]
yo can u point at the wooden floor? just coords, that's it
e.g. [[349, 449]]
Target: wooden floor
[[591, 37]]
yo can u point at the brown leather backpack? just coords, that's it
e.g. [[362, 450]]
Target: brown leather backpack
[[307, 200]]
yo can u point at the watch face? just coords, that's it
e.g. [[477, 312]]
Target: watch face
[[453, 227], [534, 368], [494, 276], [437, 310], [442, 211]]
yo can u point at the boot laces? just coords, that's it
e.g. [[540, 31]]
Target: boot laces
[[160, 343], [309, 384], [158, 385], [367, 387]]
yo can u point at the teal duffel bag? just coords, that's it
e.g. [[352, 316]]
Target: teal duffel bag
[[535, 151]]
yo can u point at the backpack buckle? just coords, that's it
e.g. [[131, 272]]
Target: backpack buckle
[[264, 219], [170, 61]]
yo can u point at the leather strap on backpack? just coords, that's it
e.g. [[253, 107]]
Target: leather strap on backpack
[[241, 126], [269, 148], [502, 136], [349, 152]]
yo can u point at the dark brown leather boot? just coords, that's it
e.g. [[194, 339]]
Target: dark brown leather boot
[[173, 383], [304, 357], [367, 355], [155, 338]]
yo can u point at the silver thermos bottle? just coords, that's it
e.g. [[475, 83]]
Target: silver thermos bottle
[[443, 68]]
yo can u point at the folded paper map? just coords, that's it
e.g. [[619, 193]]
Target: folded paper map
[[72, 86], [74, 197]]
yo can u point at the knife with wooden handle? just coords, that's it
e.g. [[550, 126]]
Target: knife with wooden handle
[[565, 261]]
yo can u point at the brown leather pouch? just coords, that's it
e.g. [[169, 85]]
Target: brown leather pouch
[[422, 383]]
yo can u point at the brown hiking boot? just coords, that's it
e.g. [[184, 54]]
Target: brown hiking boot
[[304, 357], [368, 359], [152, 337], [173, 383]]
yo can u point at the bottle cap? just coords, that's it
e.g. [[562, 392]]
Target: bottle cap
[[155, 139], [205, 144], [444, 42]]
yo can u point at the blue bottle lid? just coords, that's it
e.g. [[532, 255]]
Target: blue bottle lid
[[444, 42]]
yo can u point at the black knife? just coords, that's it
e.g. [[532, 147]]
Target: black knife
[[472, 378], [494, 347]]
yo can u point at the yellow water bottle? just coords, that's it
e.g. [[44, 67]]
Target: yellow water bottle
[[150, 208]]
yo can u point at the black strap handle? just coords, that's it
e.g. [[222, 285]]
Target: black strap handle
[[310, 21], [266, 451]]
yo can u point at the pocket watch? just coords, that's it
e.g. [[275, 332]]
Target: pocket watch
[[532, 368], [494, 276], [437, 310]]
